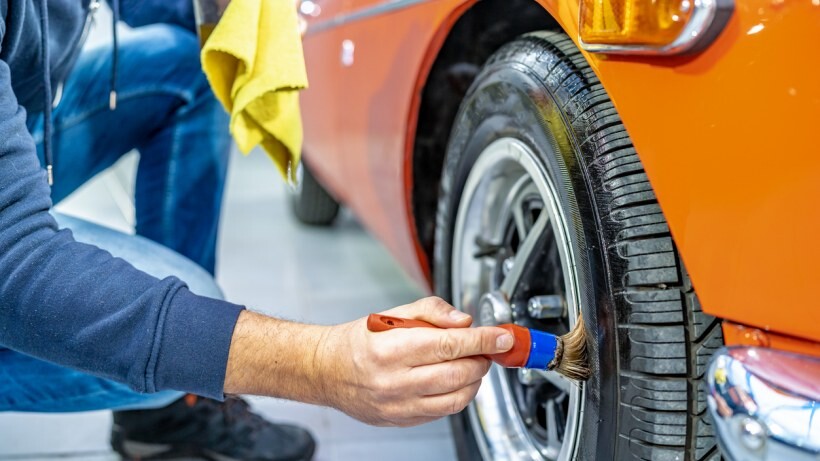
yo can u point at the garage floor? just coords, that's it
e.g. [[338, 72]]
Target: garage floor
[[272, 264]]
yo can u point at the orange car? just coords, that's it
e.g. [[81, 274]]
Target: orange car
[[567, 158]]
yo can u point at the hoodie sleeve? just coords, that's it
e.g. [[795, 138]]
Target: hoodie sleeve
[[137, 13], [76, 305]]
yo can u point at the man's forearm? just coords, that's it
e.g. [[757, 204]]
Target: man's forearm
[[275, 358], [398, 377]]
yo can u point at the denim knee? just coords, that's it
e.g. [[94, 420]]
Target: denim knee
[[181, 50], [175, 53]]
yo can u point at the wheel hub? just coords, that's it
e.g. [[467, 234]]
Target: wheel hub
[[494, 309]]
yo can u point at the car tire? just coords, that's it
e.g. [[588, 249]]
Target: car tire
[[648, 339], [310, 202]]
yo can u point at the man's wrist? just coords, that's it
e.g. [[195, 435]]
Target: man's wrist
[[276, 358]]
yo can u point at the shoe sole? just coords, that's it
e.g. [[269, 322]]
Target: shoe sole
[[139, 451]]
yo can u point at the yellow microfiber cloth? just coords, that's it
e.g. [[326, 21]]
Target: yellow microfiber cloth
[[253, 60]]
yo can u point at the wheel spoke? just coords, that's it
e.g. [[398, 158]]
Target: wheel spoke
[[529, 248], [520, 207], [555, 379], [515, 204], [561, 415], [523, 223], [530, 406], [553, 420]]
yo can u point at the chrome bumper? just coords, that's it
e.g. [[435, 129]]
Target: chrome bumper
[[765, 404]]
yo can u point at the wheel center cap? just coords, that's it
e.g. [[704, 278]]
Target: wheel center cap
[[494, 309]]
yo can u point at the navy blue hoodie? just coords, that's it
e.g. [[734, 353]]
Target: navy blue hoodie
[[71, 303]]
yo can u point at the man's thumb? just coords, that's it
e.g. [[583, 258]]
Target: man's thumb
[[433, 310]]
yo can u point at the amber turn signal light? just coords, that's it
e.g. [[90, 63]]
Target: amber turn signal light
[[650, 26], [634, 22]]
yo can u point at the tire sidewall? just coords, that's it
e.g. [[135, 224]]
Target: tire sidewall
[[509, 100], [310, 202]]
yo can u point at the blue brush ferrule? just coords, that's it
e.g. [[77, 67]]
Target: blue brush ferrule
[[542, 350]]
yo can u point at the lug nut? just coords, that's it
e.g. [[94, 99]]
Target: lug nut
[[547, 307], [525, 376], [507, 265]]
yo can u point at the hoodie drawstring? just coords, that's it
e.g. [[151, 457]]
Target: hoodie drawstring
[[46, 92], [47, 95], [115, 13]]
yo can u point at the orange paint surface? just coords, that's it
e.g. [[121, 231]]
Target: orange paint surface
[[728, 140], [739, 335], [727, 137], [360, 138]]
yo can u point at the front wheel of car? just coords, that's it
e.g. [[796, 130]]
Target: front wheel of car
[[546, 215]]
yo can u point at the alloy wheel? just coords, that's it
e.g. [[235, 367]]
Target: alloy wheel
[[511, 263]]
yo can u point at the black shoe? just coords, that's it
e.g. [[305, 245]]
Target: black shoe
[[207, 429]]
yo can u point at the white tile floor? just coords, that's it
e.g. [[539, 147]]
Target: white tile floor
[[270, 263]]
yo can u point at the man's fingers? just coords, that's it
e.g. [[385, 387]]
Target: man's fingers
[[433, 310], [466, 342], [429, 408], [443, 378], [452, 403], [423, 346], [410, 422]]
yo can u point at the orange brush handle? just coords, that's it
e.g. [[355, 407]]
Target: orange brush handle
[[378, 322], [514, 358]]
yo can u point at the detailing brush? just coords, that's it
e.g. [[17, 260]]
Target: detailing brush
[[566, 354]]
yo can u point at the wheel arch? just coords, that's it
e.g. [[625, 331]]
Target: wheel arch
[[464, 42]]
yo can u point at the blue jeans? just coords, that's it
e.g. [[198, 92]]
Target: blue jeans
[[167, 112]]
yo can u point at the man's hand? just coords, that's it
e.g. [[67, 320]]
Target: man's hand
[[399, 377], [406, 377]]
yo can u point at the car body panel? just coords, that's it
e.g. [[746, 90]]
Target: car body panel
[[727, 137], [378, 98], [727, 140], [741, 335]]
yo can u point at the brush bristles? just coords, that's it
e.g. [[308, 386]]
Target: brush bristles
[[571, 354]]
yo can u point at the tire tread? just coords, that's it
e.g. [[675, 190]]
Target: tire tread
[[664, 337]]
